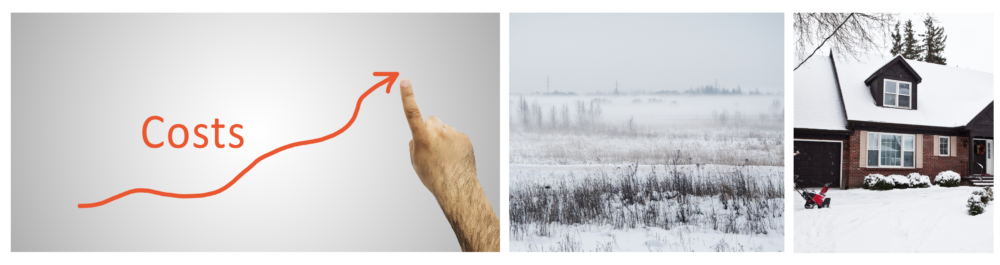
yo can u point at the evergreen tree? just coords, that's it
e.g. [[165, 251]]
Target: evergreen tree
[[897, 42], [912, 49], [934, 39]]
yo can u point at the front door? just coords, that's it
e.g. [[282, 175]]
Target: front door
[[979, 156]]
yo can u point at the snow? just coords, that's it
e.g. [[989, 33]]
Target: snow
[[916, 179], [900, 179], [649, 239], [875, 178], [947, 175], [695, 236], [947, 96], [817, 101], [933, 220]]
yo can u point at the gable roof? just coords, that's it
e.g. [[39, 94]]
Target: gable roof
[[899, 59], [817, 98], [949, 97]]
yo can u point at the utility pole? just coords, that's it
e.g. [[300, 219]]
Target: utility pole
[[546, 84], [616, 86]]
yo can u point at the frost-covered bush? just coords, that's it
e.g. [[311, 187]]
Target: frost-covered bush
[[975, 205], [878, 182], [982, 196], [988, 191], [900, 181], [919, 181], [947, 178]]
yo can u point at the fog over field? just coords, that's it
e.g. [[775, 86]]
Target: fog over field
[[599, 129]]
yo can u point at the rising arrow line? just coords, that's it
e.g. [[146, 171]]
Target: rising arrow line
[[391, 77]]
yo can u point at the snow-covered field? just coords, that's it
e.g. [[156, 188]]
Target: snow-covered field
[[646, 173], [674, 208], [928, 220]]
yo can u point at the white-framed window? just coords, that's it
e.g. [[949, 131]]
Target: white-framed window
[[891, 150], [944, 146], [898, 94]]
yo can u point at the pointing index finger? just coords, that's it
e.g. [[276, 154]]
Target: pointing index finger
[[413, 116]]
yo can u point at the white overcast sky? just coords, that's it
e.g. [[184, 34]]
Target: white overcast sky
[[970, 37], [588, 52]]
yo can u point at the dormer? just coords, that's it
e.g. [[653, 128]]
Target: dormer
[[894, 85]]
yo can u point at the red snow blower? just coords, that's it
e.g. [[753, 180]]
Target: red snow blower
[[813, 199]]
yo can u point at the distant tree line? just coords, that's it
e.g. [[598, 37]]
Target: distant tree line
[[531, 115]]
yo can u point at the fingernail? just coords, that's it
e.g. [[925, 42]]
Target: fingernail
[[406, 83]]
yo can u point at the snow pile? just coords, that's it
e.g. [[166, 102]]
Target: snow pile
[[929, 220], [878, 182], [900, 181], [947, 178], [919, 181]]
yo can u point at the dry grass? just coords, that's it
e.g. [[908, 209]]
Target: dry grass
[[734, 202]]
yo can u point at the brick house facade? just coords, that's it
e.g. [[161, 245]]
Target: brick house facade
[[932, 164], [843, 103]]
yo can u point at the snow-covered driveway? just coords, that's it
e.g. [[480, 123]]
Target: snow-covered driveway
[[929, 220]]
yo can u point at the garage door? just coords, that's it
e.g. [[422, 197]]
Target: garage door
[[817, 163]]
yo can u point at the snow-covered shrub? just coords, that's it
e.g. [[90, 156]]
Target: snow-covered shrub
[[947, 178], [988, 191], [878, 182], [982, 196], [900, 181], [919, 181], [975, 205]]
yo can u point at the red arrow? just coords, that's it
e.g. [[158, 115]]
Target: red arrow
[[391, 78]]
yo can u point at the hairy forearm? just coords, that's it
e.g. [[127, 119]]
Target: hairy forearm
[[471, 217]]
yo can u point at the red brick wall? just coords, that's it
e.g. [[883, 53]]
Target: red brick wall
[[932, 165]]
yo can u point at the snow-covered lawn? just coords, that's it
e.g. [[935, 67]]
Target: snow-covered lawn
[[753, 221], [928, 220]]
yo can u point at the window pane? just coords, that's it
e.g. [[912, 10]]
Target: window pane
[[907, 158], [890, 99], [904, 89], [890, 87], [904, 101], [890, 155], [944, 146], [873, 158], [873, 142], [907, 142]]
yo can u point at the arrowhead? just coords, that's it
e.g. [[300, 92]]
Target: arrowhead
[[391, 79]]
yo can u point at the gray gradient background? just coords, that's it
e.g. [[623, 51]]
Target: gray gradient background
[[82, 85]]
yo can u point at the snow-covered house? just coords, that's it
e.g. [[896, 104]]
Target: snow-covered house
[[890, 116]]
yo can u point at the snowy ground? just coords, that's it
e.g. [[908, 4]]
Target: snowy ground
[[929, 220], [581, 174], [652, 239], [703, 232]]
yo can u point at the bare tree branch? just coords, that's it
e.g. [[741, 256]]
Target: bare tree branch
[[863, 33]]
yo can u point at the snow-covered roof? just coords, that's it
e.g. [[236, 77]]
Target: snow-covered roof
[[947, 97], [817, 101]]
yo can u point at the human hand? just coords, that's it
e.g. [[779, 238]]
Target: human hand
[[441, 156], [446, 164]]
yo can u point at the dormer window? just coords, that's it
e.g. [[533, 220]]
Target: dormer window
[[897, 94]]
